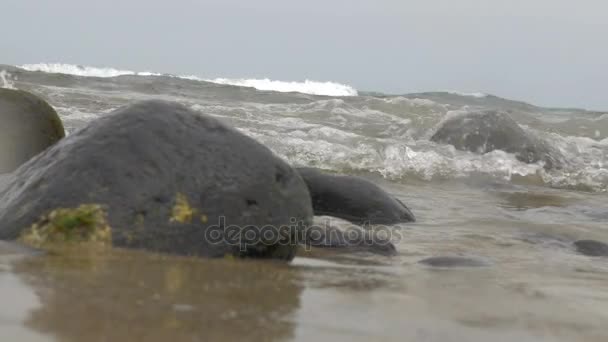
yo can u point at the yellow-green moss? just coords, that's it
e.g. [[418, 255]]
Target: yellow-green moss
[[70, 226], [182, 212], [229, 256]]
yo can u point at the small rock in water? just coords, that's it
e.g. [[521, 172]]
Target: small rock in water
[[591, 248], [353, 199], [454, 261], [355, 239]]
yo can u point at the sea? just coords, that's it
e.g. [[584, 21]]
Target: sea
[[520, 219]]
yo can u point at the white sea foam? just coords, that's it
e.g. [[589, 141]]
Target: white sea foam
[[473, 94], [306, 87], [6, 81], [79, 70]]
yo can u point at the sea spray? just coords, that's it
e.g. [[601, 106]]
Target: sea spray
[[6, 80]]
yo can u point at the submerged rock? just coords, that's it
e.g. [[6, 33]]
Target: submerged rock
[[486, 131], [171, 180], [591, 248], [454, 261], [353, 239], [28, 126], [353, 199]]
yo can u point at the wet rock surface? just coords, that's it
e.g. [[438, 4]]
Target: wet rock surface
[[352, 239], [454, 261], [28, 126], [353, 199], [172, 180], [486, 131], [591, 248]]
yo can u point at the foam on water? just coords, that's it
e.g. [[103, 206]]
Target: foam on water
[[414, 102], [387, 135], [6, 80], [331, 144], [305, 87], [390, 136], [79, 70], [473, 94]]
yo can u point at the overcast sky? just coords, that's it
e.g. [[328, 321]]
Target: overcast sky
[[548, 52]]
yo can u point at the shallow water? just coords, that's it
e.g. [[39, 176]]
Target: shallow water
[[519, 219]]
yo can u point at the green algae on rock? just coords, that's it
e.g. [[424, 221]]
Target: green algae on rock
[[85, 224], [182, 211]]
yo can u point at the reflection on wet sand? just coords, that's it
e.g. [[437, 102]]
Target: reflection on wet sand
[[131, 296], [528, 293], [530, 200]]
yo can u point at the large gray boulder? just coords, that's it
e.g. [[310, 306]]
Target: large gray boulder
[[486, 131], [171, 180], [28, 126], [353, 199]]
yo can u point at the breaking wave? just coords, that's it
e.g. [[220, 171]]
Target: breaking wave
[[306, 87], [473, 94], [79, 70], [5, 80]]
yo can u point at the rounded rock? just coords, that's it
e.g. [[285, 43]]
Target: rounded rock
[[591, 248], [353, 239], [28, 126], [353, 199], [486, 131], [453, 261], [171, 180]]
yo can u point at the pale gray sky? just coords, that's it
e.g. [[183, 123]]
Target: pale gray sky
[[548, 52]]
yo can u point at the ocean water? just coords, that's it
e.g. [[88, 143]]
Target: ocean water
[[519, 218]]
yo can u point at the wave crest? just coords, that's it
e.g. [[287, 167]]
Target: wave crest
[[306, 87], [80, 70], [478, 95], [6, 81]]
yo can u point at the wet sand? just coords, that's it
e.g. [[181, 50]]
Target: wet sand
[[535, 287]]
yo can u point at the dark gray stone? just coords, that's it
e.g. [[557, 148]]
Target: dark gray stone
[[591, 248], [486, 131], [454, 261], [353, 239], [145, 161], [28, 126], [353, 199]]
